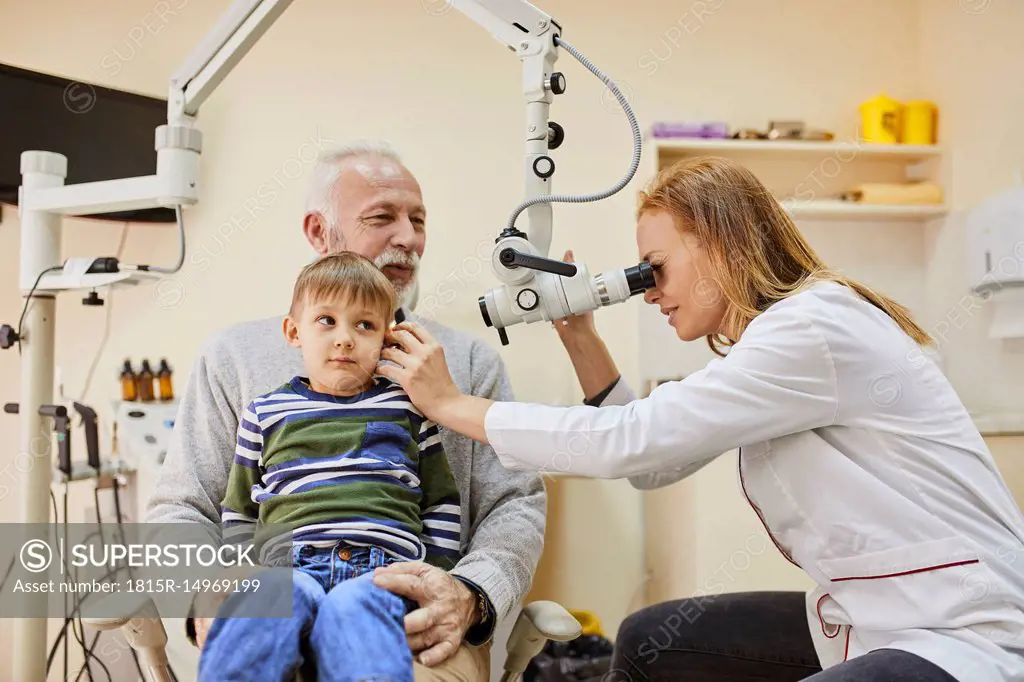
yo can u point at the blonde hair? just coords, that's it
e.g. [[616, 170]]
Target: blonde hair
[[757, 254], [348, 276]]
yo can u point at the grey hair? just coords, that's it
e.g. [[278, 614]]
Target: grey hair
[[320, 195]]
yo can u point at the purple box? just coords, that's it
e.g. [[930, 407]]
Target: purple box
[[711, 129]]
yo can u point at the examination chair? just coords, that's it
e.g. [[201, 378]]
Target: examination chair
[[538, 622]]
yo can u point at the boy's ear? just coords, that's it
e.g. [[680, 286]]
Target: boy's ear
[[291, 332]]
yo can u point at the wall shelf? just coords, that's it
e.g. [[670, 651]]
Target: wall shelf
[[828, 209], [808, 177], [844, 150]]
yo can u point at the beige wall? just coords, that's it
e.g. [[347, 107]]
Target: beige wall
[[331, 71]]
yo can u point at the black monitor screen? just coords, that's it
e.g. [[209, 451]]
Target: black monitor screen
[[105, 134]]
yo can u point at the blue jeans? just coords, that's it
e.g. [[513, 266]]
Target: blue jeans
[[342, 627]]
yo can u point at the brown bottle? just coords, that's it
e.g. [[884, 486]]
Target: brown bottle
[[144, 382], [163, 375], [129, 391]]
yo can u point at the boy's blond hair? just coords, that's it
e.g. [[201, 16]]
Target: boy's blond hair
[[348, 276]]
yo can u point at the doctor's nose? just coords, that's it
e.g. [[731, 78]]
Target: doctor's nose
[[651, 296]]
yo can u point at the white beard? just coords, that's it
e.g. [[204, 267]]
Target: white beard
[[406, 292]]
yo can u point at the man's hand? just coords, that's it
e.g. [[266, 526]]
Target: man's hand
[[447, 608]]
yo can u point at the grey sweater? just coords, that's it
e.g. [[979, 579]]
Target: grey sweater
[[502, 512]]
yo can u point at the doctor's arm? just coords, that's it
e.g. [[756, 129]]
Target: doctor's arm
[[603, 385], [777, 380]]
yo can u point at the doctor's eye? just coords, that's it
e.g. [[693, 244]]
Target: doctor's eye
[[325, 320]]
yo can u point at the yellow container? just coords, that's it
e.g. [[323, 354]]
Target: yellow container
[[919, 123], [880, 120], [589, 621]]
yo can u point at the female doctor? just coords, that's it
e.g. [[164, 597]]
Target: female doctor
[[854, 451]]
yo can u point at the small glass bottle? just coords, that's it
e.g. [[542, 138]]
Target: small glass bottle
[[144, 382], [163, 376], [129, 391]]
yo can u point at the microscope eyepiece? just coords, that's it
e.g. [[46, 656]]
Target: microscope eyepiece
[[640, 278]]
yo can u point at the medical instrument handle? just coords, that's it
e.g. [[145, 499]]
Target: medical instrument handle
[[92, 436], [61, 426], [512, 258]]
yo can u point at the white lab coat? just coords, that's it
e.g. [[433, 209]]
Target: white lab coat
[[858, 458]]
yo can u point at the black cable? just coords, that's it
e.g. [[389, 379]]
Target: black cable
[[75, 615], [78, 604], [24, 309], [131, 573], [69, 617], [76, 612], [106, 323], [80, 634], [56, 521]]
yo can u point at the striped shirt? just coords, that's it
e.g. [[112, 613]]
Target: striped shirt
[[367, 469]]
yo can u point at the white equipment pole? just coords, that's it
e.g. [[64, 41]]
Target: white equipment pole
[[40, 249]]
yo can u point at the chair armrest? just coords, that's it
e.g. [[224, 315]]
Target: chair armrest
[[552, 620], [139, 621], [538, 622], [118, 610]]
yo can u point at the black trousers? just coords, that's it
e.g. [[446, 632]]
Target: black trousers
[[744, 637]]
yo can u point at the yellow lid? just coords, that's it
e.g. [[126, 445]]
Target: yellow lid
[[880, 101]]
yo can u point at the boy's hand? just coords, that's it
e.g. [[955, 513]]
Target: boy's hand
[[208, 602], [202, 626], [447, 608]]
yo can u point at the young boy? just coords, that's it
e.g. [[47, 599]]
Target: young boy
[[358, 476]]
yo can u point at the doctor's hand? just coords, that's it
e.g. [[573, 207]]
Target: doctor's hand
[[416, 363], [419, 367], [590, 358], [575, 327], [448, 608]]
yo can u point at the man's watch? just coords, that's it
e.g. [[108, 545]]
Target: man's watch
[[482, 607]]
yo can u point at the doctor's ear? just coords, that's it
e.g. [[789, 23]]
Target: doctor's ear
[[291, 332]]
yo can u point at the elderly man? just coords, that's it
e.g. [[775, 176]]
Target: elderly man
[[363, 199]]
